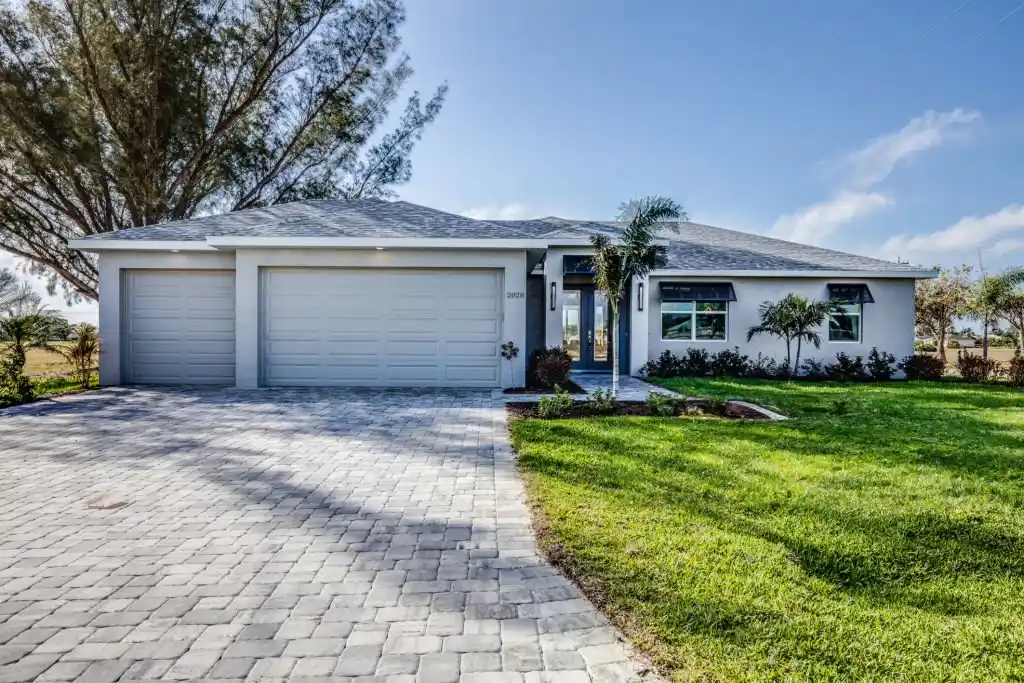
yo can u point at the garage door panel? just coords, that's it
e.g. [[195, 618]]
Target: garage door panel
[[380, 327], [471, 374], [179, 327]]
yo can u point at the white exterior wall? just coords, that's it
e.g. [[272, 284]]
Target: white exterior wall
[[246, 264], [111, 264], [888, 323]]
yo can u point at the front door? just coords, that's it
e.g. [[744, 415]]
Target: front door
[[586, 329]]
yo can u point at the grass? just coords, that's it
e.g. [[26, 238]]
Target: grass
[[42, 362], [878, 535], [61, 384]]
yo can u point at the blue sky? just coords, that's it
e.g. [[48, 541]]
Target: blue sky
[[832, 123]]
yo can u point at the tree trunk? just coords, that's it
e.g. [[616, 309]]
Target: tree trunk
[[1020, 339], [788, 356], [614, 346], [984, 337], [796, 361], [942, 345]]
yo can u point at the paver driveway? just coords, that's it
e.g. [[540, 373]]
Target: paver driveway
[[371, 535]]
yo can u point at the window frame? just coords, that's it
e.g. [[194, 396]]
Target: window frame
[[860, 325], [693, 321]]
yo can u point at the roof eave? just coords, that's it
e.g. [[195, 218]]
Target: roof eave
[[96, 245], [817, 273]]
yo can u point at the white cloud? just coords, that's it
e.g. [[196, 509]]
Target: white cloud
[[874, 162], [814, 223], [499, 212], [969, 232], [865, 168]]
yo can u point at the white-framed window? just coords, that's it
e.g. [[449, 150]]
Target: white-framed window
[[846, 324], [694, 320]]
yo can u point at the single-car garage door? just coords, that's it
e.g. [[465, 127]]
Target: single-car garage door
[[380, 327], [178, 327]]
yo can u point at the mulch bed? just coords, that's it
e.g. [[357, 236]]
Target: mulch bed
[[569, 386], [696, 408]]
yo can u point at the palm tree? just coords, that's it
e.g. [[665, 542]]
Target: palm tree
[[793, 317], [81, 352], [616, 265]]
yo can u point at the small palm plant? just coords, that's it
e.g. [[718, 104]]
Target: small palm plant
[[19, 333], [793, 318], [81, 353], [632, 258]]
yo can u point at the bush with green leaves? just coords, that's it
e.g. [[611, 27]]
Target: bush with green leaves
[[662, 405], [812, 368], [846, 368], [974, 368], [666, 365], [919, 366], [557, 405], [602, 401], [766, 367], [550, 367], [925, 347], [729, 363], [880, 365], [1015, 370]]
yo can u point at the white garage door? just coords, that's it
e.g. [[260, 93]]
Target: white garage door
[[179, 327], [375, 327]]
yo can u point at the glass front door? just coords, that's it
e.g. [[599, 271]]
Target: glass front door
[[586, 329]]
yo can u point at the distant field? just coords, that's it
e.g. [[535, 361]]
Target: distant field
[[41, 362], [1002, 354]]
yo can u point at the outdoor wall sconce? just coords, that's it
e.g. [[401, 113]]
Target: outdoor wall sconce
[[554, 292], [640, 297]]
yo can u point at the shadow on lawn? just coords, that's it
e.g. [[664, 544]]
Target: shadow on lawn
[[852, 516]]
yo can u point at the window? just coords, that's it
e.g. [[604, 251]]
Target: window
[[694, 320], [845, 324]]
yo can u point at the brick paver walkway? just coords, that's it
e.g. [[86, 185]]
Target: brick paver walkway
[[279, 535]]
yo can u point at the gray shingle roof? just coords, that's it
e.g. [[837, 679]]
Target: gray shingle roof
[[691, 247]]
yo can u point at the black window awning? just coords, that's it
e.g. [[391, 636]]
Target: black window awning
[[850, 294], [697, 291], [577, 265]]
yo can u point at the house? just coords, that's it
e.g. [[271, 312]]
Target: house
[[378, 293]]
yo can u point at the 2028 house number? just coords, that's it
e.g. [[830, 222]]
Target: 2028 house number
[[515, 295]]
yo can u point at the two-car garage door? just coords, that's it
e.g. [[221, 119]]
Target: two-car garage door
[[318, 327], [380, 327]]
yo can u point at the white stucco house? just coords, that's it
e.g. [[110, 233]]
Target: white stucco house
[[378, 293]]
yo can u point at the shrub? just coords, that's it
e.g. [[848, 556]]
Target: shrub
[[558, 405], [766, 367], [667, 365], [1015, 370], [662, 405], [880, 364], [922, 367], [975, 368], [952, 344], [846, 368], [602, 401], [729, 363], [549, 368], [812, 368], [697, 363], [925, 347]]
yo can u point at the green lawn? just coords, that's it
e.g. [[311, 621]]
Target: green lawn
[[879, 535]]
